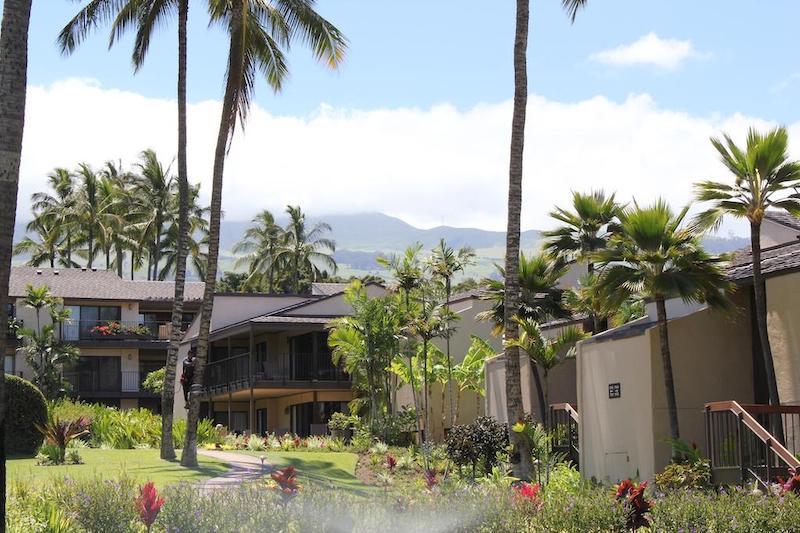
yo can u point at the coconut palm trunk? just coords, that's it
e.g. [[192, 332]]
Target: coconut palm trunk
[[411, 375], [448, 290], [189, 456], [168, 393], [13, 83], [666, 360], [540, 395], [520, 456]]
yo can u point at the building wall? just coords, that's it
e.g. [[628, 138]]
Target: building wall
[[783, 322], [711, 361], [616, 435]]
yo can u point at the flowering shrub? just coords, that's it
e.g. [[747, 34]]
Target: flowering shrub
[[792, 484], [637, 507], [148, 504], [114, 328], [526, 495]]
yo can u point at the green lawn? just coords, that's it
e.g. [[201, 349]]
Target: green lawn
[[140, 465], [337, 469]]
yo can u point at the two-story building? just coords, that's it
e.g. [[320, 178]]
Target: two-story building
[[121, 327], [269, 367]]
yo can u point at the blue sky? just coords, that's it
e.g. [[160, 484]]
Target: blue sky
[[419, 111]]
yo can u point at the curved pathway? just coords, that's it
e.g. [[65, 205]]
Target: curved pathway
[[243, 468]]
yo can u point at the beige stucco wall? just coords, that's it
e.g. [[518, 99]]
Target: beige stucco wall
[[711, 361], [783, 322], [616, 437]]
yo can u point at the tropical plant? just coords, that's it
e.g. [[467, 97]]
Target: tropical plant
[[258, 31], [763, 178], [540, 297], [365, 343], [149, 504], [546, 353], [654, 257], [427, 323], [46, 248], [305, 250], [56, 211], [59, 433], [584, 299], [470, 373], [261, 243], [154, 381], [39, 298], [444, 264]]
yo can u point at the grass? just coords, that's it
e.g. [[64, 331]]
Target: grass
[[327, 469], [139, 465]]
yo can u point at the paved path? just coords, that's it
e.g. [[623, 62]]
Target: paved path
[[243, 468]]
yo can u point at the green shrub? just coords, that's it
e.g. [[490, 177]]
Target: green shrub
[[477, 443], [684, 476], [25, 408]]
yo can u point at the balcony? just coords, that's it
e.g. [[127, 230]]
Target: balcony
[[91, 382], [233, 373], [85, 330]]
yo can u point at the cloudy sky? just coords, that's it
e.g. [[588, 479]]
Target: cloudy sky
[[416, 123]]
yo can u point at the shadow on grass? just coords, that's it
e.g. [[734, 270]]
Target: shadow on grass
[[322, 473]]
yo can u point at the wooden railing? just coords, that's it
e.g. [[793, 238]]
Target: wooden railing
[[741, 448], [563, 425]]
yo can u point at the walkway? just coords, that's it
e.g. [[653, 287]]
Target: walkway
[[243, 468]]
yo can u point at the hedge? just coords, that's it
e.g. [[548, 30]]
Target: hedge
[[25, 407]]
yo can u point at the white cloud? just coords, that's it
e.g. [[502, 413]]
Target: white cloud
[[649, 50], [429, 166]]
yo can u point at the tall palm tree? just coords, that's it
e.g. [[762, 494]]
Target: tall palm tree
[[44, 250], [653, 256], [58, 208], [261, 242], [546, 353], [408, 272], [304, 250], [258, 30], [152, 190], [583, 231], [13, 84], [764, 178], [520, 454], [93, 213], [446, 263], [146, 15]]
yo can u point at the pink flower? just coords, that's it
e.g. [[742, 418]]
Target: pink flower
[[149, 504], [526, 493]]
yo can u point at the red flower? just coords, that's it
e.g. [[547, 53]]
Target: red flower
[[149, 504], [297, 441], [287, 481], [792, 484], [391, 462], [430, 478], [633, 497], [526, 493]]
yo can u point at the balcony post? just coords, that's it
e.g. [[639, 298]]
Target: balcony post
[[229, 365], [740, 445], [252, 411]]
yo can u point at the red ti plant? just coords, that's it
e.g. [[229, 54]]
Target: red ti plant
[[287, 482], [430, 478], [391, 462], [632, 496], [792, 484], [526, 494], [60, 432], [149, 504], [297, 441]]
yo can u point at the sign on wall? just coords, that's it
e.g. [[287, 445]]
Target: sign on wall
[[614, 390]]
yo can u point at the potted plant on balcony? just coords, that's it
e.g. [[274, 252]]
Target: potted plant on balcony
[[340, 426]]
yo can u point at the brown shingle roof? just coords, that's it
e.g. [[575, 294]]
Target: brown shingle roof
[[96, 285], [784, 219], [773, 260]]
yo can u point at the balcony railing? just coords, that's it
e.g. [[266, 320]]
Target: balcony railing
[[564, 425], [235, 371], [79, 330], [92, 381]]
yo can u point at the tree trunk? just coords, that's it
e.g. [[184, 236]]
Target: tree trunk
[[426, 420], [189, 456], [411, 378], [520, 455], [168, 392], [69, 250], [666, 360], [157, 251], [537, 379], [91, 245], [13, 83], [120, 258]]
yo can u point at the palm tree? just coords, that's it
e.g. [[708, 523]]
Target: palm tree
[[258, 30], [583, 231], [261, 242], [540, 297], [304, 250], [427, 323], [547, 353], [39, 298], [46, 249], [653, 256], [58, 209], [408, 271], [573, 6], [152, 191], [446, 263], [147, 15], [93, 211], [13, 84], [764, 178]]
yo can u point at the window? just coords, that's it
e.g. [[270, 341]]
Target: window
[[85, 317], [8, 365]]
